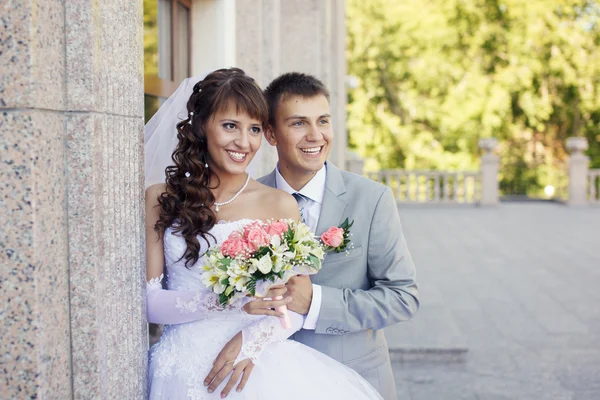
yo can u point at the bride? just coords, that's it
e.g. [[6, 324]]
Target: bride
[[207, 195]]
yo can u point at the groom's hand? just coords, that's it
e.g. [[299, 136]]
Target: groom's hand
[[223, 366], [301, 291]]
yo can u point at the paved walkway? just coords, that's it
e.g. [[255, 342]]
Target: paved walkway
[[510, 304]]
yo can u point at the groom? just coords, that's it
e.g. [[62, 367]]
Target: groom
[[357, 293], [360, 291]]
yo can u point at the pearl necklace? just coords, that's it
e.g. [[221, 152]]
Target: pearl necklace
[[218, 205]]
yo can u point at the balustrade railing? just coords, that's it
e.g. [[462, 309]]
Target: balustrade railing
[[594, 186], [462, 187]]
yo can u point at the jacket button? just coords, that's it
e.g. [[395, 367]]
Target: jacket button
[[329, 330], [335, 331]]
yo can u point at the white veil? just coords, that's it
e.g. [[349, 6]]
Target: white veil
[[160, 133]]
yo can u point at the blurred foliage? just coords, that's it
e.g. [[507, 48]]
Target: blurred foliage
[[150, 37], [438, 75]]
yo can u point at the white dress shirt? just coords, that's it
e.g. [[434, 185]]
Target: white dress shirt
[[313, 191]]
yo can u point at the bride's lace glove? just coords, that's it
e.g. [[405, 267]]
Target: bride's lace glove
[[178, 307], [257, 336]]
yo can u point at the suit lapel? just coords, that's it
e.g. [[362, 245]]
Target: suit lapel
[[333, 206]]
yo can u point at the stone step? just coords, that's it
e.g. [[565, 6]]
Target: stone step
[[431, 336]]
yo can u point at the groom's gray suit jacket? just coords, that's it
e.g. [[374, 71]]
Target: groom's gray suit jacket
[[368, 289]]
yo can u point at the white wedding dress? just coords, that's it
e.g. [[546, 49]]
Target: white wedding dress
[[198, 329]]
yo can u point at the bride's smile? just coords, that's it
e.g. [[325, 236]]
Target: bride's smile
[[233, 137]]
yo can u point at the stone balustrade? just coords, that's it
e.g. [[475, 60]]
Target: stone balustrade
[[594, 186], [480, 187], [463, 187]]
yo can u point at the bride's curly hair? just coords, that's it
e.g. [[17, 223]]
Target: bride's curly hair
[[185, 204]]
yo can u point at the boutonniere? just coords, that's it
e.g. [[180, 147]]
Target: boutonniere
[[337, 238]]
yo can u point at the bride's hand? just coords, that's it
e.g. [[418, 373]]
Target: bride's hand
[[223, 365], [267, 307]]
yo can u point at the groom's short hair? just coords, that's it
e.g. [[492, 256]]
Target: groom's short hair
[[292, 84]]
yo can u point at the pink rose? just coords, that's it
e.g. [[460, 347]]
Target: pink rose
[[334, 237], [277, 228], [251, 226], [256, 238], [235, 245], [235, 235], [234, 248]]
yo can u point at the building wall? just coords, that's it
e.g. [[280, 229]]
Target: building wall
[[71, 200]]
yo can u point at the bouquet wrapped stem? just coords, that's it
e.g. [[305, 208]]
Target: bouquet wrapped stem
[[286, 323]]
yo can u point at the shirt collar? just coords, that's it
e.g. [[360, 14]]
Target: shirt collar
[[314, 189]]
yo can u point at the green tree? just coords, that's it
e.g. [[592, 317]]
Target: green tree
[[437, 75], [150, 37]]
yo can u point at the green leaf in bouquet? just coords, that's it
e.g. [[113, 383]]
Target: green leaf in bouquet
[[223, 299], [229, 290], [251, 286], [225, 262], [314, 260], [224, 280], [263, 251], [288, 235]]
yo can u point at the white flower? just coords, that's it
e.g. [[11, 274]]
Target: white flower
[[212, 279], [237, 268], [213, 259], [219, 288], [281, 263], [303, 233], [239, 282], [264, 265], [318, 252], [275, 241], [252, 267], [302, 249], [277, 246]]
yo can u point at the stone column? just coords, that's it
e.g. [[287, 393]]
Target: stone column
[[354, 163], [578, 171], [258, 54], [71, 241], [489, 172]]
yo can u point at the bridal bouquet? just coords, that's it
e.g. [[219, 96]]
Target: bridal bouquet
[[259, 256]]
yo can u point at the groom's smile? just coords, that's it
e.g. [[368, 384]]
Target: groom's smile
[[302, 133]]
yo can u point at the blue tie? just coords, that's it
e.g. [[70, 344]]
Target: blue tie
[[301, 200]]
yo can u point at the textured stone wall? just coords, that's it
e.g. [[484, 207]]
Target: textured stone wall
[[71, 200]]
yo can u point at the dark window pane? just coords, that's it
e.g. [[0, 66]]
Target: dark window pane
[[151, 104]]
